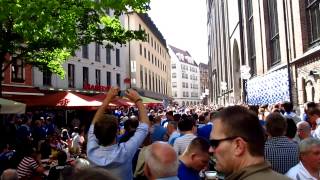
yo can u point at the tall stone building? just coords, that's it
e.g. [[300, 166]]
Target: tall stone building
[[204, 82], [149, 61], [278, 40]]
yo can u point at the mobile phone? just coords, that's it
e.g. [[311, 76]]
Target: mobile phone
[[121, 93]]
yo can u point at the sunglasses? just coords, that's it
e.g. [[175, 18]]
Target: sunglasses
[[214, 143]]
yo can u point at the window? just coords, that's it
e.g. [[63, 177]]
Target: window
[[274, 32], [17, 71], [149, 80], [252, 50], [149, 55], [71, 75], [152, 58], [140, 27], [97, 58], [145, 53], [46, 77], [118, 57], [108, 78], [98, 77], [85, 75], [313, 20], [151, 42], [108, 55], [184, 76], [85, 51], [174, 84], [141, 77], [153, 83], [175, 94], [156, 83], [107, 11], [140, 49], [146, 78], [174, 75], [118, 80]]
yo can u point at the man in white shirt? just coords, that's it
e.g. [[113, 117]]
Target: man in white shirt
[[187, 128], [314, 117], [309, 166]]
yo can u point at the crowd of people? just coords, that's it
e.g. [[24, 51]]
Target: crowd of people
[[237, 142]]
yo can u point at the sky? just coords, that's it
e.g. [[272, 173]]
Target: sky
[[183, 23]]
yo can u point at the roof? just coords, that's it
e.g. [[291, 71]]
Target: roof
[[184, 53], [204, 66], [148, 21]]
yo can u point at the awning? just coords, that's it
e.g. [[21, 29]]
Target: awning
[[66, 99], [11, 107], [119, 102], [21, 90]]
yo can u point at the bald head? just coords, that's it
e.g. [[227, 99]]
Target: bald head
[[161, 161], [303, 129], [9, 174]]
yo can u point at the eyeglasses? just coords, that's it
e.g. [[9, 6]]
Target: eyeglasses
[[214, 143]]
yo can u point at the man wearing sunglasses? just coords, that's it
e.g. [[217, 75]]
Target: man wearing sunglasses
[[237, 142]]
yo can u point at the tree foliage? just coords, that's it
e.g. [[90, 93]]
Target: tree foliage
[[46, 32]]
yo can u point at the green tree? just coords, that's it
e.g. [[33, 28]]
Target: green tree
[[45, 33]]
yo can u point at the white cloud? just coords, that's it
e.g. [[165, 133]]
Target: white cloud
[[183, 23]]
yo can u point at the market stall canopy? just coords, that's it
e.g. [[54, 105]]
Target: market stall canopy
[[66, 99], [147, 100], [11, 107]]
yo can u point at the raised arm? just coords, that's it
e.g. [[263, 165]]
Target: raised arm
[[112, 93], [134, 97]]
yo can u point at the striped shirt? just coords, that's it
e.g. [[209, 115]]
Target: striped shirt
[[181, 143], [282, 153], [26, 167]]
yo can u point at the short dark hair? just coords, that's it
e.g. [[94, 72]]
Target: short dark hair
[[174, 124], [314, 111], [254, 108], [106, 129], [93, 173], [170, 113], [214, 115], [287, 106], [276, 124], [240, 121], [291, 128], [62, 157], [186, 123], [176, 117], [202, 118], [199, 143]]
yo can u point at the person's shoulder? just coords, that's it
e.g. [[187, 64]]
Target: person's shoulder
[[267, 175]]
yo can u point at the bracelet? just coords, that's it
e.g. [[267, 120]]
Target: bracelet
[[138, 100]]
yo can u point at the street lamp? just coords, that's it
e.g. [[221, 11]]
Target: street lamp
[[245, 75]]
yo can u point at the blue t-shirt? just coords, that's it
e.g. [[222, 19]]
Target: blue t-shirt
[[205, 131], [185, 173], [158, 133]]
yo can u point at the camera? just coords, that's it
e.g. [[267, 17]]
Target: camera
[[122, 93]]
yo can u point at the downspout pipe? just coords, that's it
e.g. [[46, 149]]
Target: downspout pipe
[[129, 46], [287, 46], [242, 49]]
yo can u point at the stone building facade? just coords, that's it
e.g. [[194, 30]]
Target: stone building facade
[[278, 40]]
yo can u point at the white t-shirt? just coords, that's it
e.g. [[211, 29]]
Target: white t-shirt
[[181, 143], [298, 172]]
